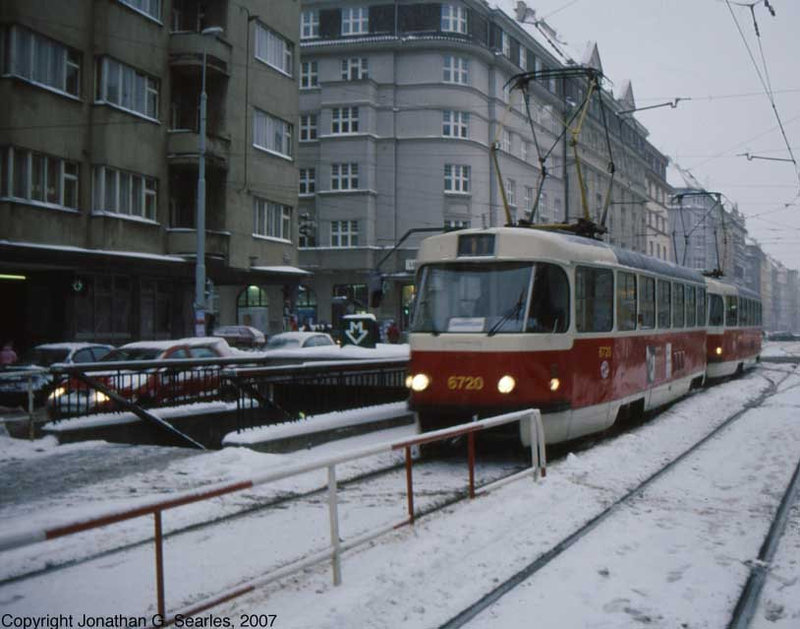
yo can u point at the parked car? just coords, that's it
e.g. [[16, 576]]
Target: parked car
[[297, 340], [14, 380], [147, 387], [241, 336]]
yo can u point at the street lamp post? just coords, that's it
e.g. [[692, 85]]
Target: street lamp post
[[200, 266]]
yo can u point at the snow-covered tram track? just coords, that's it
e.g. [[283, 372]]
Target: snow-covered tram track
[[438, 485], [487, 605]]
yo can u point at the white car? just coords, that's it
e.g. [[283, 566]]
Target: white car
[[298, 340]]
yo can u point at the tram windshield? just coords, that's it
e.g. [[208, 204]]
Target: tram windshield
[[497, 298]]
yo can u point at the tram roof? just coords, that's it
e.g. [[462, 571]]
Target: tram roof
[[514, 243]]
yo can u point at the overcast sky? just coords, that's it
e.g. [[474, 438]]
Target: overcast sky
[[693, 49]]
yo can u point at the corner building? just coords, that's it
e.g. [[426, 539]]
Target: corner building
[[99, 160]]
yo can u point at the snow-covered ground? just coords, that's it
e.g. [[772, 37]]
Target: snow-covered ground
[[677, 556]]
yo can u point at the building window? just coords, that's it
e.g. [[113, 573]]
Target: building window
[[455, 223], [506, 141], [511, 192], [41, 61], [456, 178], [527, 202], [308, 180], [272, 220], [125, 193], [125, 87], [355, 69], [455, 124], [355, 21], [455, 70], [274, 50], [344, 176], [506, 44], [309, 24], [454, 19], [308, 127], [272, 134], [309, 75], [523, 58], [37, 177], [344, 234], [307, 231], [344, 120], [151, 8]]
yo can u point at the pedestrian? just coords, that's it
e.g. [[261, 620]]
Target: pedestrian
[[393, 333], [7, 355]]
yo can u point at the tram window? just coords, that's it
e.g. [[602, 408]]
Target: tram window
[[731, 311], [691, 307], [626, 301], [549, 312], [716, 310], [744, 312], [701, 306], [677, 306], [594, 299], [647, 303], [663, 304]]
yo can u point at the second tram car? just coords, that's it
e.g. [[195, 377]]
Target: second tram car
[[734, 329], [508, 318]]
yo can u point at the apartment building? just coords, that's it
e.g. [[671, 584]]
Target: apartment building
[[400, 106], [100, 159]]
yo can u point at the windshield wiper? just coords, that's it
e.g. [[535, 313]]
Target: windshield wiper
[[514, 311]]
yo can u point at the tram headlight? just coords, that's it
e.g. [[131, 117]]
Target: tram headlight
[[718, 351], [506, 384], [555, 384], [419, 382]]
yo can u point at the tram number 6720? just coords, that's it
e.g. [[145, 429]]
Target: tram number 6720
[[465, 383]]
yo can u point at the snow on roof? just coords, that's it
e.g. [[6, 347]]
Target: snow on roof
[[281, 270], [106, 252]]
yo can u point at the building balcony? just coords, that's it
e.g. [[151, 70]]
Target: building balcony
[[183, 242], [186, 53], [183, 149]]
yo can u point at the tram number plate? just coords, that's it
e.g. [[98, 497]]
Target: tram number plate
[[465, 383]]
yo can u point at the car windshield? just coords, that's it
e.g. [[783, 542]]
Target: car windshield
[[281, 342], [132, 353], [492, 298], [46, 357]]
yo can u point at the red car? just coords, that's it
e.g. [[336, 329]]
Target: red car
[[152, 386]]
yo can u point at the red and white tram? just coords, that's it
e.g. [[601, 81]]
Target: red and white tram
[[511, 318], [734, 329]]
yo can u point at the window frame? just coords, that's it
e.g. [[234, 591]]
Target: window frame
[[355, 68], [344, 120], [627, 300], [273, 49], [455, 70], [272, 220], [455, 124], [267, 125], [354, 21], [48, 167], [69, 61], [457, 180], [307, 181], [145, 99], [454, 19], [309, 74], [345, 234], [590, 311], [344, 176], [309, 24], [308, 131], [145, 208]]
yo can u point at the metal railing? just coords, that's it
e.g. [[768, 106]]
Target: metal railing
[[287, 392], [337, 546]]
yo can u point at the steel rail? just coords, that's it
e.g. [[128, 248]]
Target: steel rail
[[470, 612]]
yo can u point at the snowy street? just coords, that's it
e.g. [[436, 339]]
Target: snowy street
[[676, 555]]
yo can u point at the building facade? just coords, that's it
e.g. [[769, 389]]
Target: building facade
[[400, 106], [100, 152]]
